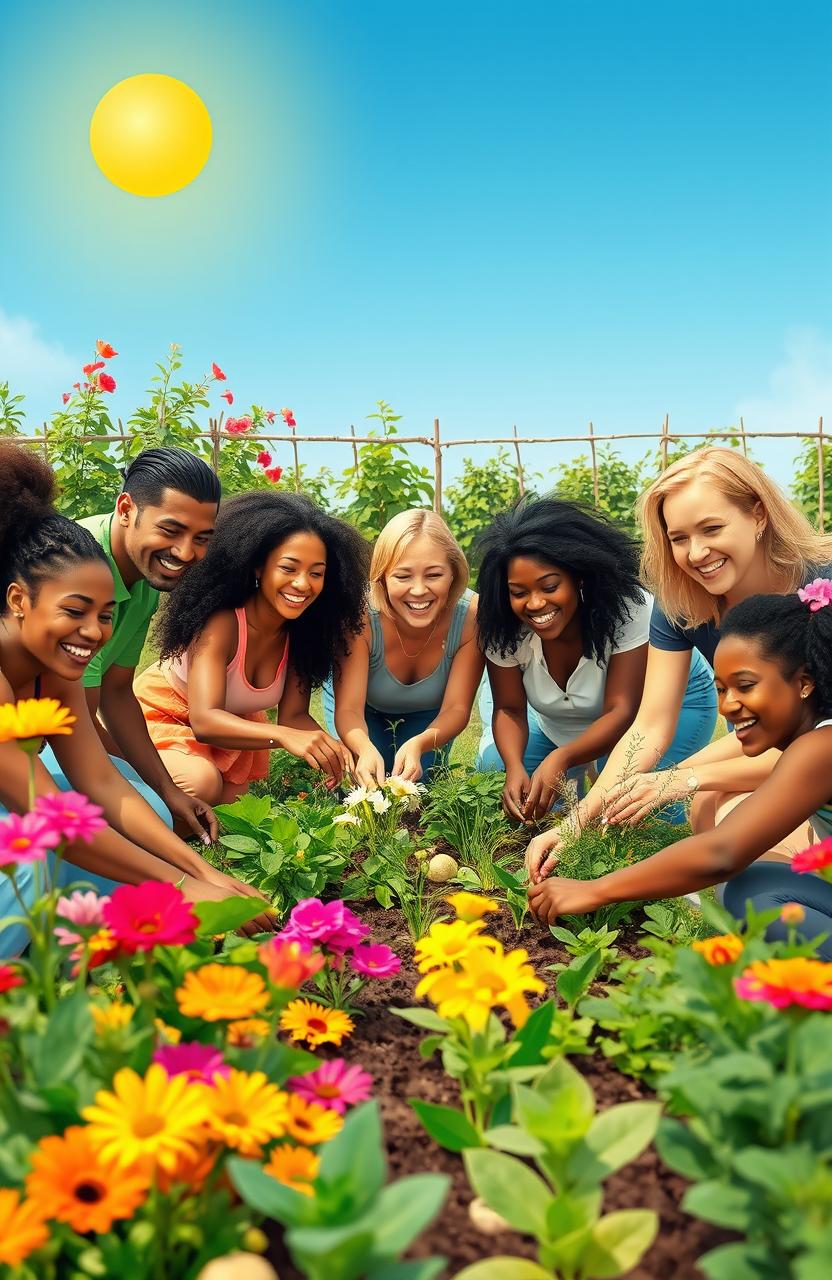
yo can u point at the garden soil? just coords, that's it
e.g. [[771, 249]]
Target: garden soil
[[387, 1047]]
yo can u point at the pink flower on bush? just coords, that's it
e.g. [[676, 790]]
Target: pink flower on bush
[[105, 382], [24, 839], [268, 414], [375, 960], [84, 910], [227, 395], [199, 1062], [66, 397], [264, 459], [818, 857], [218, 373], [331, 925], [71, 816], [817, 594], [144, 916], [238, 426], [334, 1085], [288, 417], [274, 474]]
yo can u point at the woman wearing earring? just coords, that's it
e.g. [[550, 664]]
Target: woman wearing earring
[[407, 687], [715, 531], [255, 626], [563, 622]]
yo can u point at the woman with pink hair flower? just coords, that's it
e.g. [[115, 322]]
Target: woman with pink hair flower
[[773, 669]]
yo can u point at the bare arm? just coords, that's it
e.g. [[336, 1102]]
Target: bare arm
[[350, 689]]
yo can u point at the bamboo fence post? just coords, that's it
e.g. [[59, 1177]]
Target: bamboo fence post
[[355, 462], [821, 478], [214, 432], [297, 463], [45, 446], [521, 480], [593, 448], [664, 441], [743, 437], [437, 469]]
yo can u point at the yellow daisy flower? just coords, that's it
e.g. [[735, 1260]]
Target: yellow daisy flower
[[72, 1183], [33, 718], [315, 1023], [218, 991], [152, 1120], [171, 1035], [22, 1228], [246, 1111], [471, 906], [484, 980], [310, 1123], [111, 1017], [295, 1167], [448, 943]]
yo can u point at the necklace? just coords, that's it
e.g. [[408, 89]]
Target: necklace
[[424, 646]]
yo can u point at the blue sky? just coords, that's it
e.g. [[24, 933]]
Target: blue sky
[[535, 213]]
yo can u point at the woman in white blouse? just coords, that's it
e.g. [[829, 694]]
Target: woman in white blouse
[[563, 623]]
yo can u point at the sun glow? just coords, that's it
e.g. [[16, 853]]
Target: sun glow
[[151, 135]]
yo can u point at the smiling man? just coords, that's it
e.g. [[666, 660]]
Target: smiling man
[[162, 524]]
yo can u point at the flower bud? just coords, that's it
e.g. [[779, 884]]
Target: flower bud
[[255, 1240], [792, 913]]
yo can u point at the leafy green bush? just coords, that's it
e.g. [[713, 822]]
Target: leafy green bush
[[464, 810], [385, 481], [483, 490]]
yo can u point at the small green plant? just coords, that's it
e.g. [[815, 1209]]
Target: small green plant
[[483, 490], [291, 776], [385, 480], [464, 810], [587, 941], [396, 874], [12, 416], [574, 1150]]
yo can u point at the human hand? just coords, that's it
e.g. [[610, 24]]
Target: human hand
[[209, 884], [632, 799], [320, 750], [369, 768], [543, 786], [407, 762], [542, 854], [558, 896], [515, 792], [193, 813]]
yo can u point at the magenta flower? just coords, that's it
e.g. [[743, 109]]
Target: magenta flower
[[314, 920], [351, 932], [81, 909], [375, 960], [199, 1062], [818, 857], [24, 839], [334, 1085], [817, 594], [71, 816], [144, 916]]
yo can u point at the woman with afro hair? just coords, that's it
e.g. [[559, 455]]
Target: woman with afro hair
[[256, 625], [563, 623]]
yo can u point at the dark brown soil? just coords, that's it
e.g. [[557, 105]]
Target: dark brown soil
[[387, 1047]]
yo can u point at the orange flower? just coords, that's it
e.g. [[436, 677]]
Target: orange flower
[[105, 350], [295, 1167], [218, 991], [725, 948], [70, 1181], [247, 1032], [289, 964], [307, 1020], [190, 1169], [22, 1228], [310, 1123]]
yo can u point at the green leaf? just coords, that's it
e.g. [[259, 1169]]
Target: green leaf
[[448, 1127], [778, 1171], [573, 982], [511, 1138], [420, 1269], [267, 1195], [510, 1188], [531, 1038], [682, 1151], [740, 1261], [720, 1203], [618, 1242], [504, 1268], [337, 1253], [240, 844], [615, 1137], [59, 1050], [424, 1018], [356, 1154], [404, 1209], [226, 916]]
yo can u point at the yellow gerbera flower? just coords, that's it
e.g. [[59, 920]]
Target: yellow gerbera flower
[[152, 1120], [32, 718], [22, 1228], [111, 1017], [218, 991], [245, 1111], [484, 980], [315, 1023], [171, 1035], [247, 1031], [448, 943], [471, 906], [310, 1123], [71, 1182], [295, 1167]]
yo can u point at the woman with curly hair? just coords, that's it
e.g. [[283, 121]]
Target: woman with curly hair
[[564, 623], [256, 625]]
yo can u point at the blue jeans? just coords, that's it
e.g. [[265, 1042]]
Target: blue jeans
[[694, 731], [772, 884], [14, 937], [388, 732]]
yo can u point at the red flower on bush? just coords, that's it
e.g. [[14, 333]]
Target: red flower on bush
[[66, 397], [264, 459], [268, 414], [288, 417], [238, 426], [218, 373], [9, 978], [148, 915], [105, 382], [274, 474], [105, 350], [227, 395], [816, 858], [91, 368]]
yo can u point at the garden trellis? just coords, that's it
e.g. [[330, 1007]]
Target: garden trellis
[[436, 444]]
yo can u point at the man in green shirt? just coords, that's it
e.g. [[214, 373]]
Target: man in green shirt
[[162, 524]]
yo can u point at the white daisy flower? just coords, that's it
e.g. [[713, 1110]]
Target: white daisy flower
[[354, 797], [347, 819]]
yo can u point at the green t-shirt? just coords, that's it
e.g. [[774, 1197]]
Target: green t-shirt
[[131, 620]]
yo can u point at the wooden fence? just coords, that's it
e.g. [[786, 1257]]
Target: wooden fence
[[434, 442]]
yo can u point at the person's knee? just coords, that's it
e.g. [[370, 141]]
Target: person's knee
[[489, 759], [195, 776]]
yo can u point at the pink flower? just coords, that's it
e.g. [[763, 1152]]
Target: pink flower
[[227, 395], [288, 417], [199, 1062], [71, 816], [375, 960], [105, 382], [268, 414], [66, 397], [816, 858], [218, 373], [264, 459], [817, 594], [349, 934], [143, 916], [238, 426], [796, 981], [274, 474], [26, 839], [314, 920], [85, 910], [334, 1085]]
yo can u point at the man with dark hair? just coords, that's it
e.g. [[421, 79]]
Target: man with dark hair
[[162, 524]]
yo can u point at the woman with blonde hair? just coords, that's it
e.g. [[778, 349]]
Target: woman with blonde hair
[[716, 531], [406, 688]]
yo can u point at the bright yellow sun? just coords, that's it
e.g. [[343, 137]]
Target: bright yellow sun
[[151, 135]]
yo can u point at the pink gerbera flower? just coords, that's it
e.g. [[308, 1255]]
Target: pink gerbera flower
[[314, 920], [144, 916], [375, 960], [196, 1061], [71, 816], [797, 980], [334, 1085], [81, 909], [24, 839], [818, 857]]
